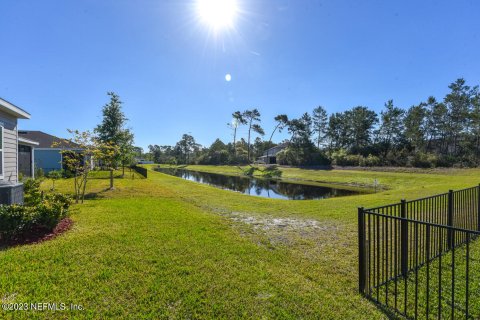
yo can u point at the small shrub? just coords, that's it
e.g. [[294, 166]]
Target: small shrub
[[423, 160], [52, 209], [446, 161], [338, 157], [372, 161], [341, 158], [38, 211], [14, 219], [54, 175], [398, 158], [362, 161], [32, 194], [39, 173], [353, 160]]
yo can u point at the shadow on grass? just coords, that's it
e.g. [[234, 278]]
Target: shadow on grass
[[90, 196], [95, 195], [129, 176], [387, 311]]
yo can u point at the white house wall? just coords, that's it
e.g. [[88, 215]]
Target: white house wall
[[10, 147]]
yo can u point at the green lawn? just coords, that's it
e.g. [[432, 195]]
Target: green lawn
[[164, 247]]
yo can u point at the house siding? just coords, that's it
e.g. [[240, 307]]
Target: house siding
[[10, 139]]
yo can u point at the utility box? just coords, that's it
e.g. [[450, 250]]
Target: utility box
[[11, 193]]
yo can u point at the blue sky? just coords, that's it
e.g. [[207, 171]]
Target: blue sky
[[59, 58]]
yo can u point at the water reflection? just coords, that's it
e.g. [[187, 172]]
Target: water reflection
[[260, 187]]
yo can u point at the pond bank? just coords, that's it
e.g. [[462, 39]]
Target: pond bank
[[264, 187]]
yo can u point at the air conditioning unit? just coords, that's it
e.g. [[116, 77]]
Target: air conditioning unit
[[11, 193]]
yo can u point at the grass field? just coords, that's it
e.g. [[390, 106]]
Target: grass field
[[164, 247]]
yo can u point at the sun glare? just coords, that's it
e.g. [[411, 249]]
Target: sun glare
[[219, 14]]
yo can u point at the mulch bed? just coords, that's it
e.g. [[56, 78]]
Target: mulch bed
[[39, 234]]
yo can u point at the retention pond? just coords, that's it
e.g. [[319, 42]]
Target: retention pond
[[268, 188]]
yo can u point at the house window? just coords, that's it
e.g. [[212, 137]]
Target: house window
[[1, 152]]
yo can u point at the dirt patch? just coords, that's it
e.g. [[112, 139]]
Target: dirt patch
[[272, 223], [39, 234], [287, 231]]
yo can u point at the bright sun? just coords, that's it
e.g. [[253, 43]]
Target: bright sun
[[219, 14]]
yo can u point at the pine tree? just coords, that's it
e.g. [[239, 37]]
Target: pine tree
[[112, 131]]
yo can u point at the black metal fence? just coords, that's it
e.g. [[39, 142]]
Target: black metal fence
[[417, 258], [140, 170]]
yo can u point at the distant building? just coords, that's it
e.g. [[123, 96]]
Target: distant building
[[270, 155], [46, 156]]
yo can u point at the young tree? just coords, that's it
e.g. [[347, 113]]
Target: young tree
[[85, 147], [113, 121], [112, 131], [320, 123], [252, 118], [54, 175], [108, 153]]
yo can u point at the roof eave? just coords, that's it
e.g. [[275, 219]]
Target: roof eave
[[29, 142], [13, 110]]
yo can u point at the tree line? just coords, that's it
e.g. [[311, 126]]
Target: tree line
[[432, 133]]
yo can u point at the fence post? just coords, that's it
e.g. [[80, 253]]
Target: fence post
[[404, 238], [361, 251], [478, 207], [450, 219]]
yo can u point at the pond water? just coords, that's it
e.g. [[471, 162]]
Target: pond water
[[268, 188]]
